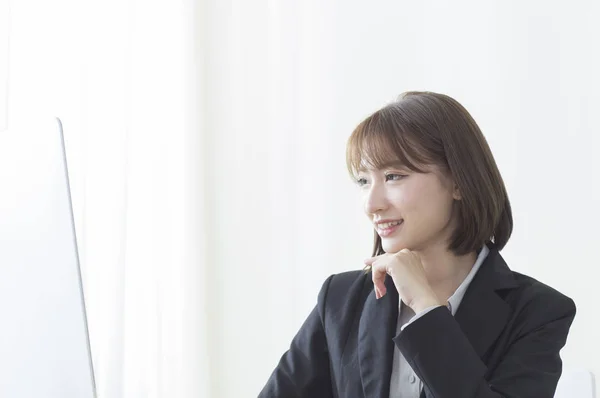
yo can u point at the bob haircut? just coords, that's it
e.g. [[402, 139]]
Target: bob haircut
[[426, 128]]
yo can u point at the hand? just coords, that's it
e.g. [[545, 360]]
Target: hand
[[409, 277]]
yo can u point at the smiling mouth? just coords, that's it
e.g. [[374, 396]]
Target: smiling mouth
[[385, 229]]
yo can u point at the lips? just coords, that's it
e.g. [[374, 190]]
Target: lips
[[388, 227]]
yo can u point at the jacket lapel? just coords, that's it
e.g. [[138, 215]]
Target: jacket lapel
[[376, 329], [482, 314]]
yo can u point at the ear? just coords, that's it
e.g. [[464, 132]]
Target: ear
[[456, 193]]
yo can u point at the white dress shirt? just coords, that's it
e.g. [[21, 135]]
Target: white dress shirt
[[404, 382]]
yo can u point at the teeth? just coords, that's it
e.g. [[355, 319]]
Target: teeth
[[388, 224]]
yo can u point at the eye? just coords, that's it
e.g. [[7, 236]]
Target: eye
[[361, 181], [394, 177]]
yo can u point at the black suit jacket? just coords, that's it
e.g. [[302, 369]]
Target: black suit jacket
[[503, 342]]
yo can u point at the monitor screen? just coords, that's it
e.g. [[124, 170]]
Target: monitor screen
[[44, 344]]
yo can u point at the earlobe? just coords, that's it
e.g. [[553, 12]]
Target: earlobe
[[456, 193]]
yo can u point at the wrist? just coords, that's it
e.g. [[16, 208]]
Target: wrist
[[425, 302]]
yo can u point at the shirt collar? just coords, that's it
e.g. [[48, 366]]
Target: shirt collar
[[456, 298]]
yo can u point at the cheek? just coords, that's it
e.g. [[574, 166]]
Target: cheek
[[410, 197], [427, 202], [401, 198]]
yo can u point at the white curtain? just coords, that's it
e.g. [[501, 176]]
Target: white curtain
[[283, 212], [122, 75]]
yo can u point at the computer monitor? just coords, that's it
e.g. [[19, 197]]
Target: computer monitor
[[44, 341]]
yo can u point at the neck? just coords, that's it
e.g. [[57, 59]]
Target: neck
[[445, 270]]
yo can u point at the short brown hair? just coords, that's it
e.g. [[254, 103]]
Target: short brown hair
[[426, 128]]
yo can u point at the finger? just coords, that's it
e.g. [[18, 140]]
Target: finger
[[378, 276], [370, 261]]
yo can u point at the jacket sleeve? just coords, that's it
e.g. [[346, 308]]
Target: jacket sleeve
[[448, 366], [303, 370]]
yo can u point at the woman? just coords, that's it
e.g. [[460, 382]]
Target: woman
[[437, 313]]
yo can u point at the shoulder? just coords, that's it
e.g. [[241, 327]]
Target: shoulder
[[537, 303], [344, 290], [534, 292], [344, 283], [533, 303]]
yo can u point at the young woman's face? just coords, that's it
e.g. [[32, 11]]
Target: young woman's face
[[418, 206]]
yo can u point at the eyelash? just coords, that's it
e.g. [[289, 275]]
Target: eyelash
[[363, 181]]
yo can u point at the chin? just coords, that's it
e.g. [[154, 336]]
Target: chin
[[391, 246]]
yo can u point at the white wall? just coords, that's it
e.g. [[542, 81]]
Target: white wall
[[287, 85]]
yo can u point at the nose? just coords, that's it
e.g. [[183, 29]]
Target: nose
[[375, 199]]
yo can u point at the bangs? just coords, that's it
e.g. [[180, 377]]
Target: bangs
[[387, 138]]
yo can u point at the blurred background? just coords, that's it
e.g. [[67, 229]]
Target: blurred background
[[206, 148]]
